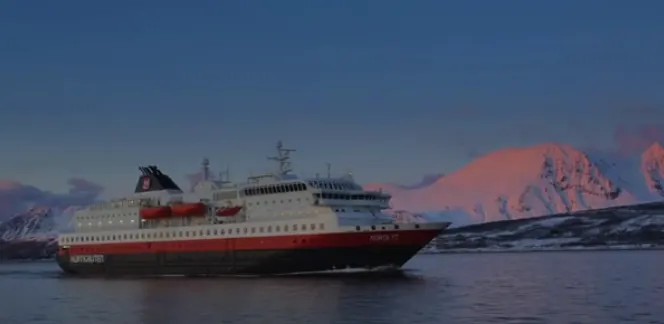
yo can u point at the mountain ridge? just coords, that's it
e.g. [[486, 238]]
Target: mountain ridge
[[537, 180]]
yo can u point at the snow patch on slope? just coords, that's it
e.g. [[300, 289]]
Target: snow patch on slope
[[535, 181], [38, 223], [652, 166]]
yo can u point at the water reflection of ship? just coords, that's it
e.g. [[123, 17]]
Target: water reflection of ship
[[330, 299]]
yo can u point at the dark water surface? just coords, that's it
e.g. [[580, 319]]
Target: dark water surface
[[547, 287]]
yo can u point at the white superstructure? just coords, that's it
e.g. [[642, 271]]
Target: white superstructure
[[273, 203]]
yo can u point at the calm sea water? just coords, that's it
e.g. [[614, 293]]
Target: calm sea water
[[548, 287]]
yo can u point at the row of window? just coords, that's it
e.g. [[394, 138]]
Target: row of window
[[105, 216], [334, 185], [118, 204], [100, 223], [267, 202], [338, 196], [192, 233], [277, 188]]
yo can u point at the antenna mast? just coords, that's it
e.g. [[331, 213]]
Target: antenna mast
[[329, 169], [283, 157], [206, 169]]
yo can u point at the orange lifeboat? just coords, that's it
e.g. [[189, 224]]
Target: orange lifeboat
[[189, 209], [228, 211], [156, 212]]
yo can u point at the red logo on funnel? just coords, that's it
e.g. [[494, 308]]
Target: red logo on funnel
[[146, 183]]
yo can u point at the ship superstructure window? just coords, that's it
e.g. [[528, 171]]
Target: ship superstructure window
[[341, 196], [275, 189], [334, 185]]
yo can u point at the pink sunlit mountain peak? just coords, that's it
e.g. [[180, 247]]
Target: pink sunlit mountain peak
[[535, 181]]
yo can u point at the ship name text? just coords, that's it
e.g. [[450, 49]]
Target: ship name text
[[384, 237], [93, 258]]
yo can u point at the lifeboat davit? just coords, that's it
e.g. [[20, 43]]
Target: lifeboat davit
[[156, 212], [228, 211], [189, 209]]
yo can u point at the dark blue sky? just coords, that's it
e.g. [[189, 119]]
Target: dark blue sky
[[389, 89]]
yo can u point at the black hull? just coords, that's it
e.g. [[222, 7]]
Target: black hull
[[246, 262]]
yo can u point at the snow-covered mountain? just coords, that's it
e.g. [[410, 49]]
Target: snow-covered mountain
[[535, 181], [37, 223]]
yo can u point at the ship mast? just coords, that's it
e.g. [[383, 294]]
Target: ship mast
[[206, 169], [283, 157], [225, 175]]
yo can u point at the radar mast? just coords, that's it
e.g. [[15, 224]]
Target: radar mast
[[283, 158], [206, 169]]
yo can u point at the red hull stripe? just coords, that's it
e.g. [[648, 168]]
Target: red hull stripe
[[387, 238]]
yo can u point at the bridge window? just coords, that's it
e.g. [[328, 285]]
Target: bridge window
[[274, 189]]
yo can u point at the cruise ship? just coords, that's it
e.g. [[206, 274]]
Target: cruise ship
[[275, 223]]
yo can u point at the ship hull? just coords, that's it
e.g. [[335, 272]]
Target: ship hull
[[259, 262], [349, 253]]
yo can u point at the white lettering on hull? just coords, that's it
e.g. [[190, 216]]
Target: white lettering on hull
[[384, 237], [94, 258]]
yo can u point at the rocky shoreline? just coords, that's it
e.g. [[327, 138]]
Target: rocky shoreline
[[28, 249], [628, 227]]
